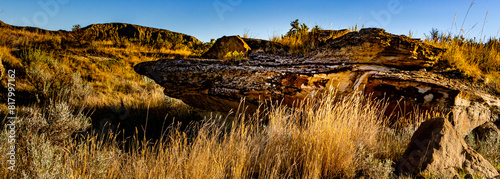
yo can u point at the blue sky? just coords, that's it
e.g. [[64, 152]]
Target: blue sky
[[260, 18]]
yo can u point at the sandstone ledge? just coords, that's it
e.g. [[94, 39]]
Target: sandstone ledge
[[371, 61]]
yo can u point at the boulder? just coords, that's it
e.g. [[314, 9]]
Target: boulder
[[472, 109], [485, 131], [226, 45], [437, 148], [371, 60]]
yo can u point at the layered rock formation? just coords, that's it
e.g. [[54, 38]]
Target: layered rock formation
[[370, 60], [437, 148]]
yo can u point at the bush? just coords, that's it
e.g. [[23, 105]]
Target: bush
[[299, 38], [235, 55], [52, 79], [475, 60], [376, 168], [58, 120], [489, 148]]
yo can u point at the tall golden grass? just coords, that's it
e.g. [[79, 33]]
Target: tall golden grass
[[325, 137], [474, 59]]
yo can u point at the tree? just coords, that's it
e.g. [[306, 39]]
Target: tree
[[316, 28], [297, 28], [80, 36], [76, 27], [433, 35]]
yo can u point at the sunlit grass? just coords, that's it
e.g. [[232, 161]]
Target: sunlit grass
[[475, 60], [324, 137]]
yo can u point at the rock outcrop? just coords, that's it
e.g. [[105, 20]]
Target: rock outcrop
[[226, 45], [370, 60], [437, 148], [259, 45], [137, 32], [322, 36], [30, 29], [375, 46], [485, 131]]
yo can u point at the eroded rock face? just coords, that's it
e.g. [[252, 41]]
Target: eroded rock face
[[375, 46], [218, 85], [322, 36], [226, 45], [473, 109], [372, 61], [437, 148], [427, 90]]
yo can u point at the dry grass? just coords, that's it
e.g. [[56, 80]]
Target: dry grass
[[102, 77], [323, 139], [299, 44], [475, 60], [327, 137], [17, 38], [299, 38]]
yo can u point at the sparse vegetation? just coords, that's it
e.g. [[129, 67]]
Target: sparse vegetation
[[302, 40], [298, 38], [477, 60], [488, 147]]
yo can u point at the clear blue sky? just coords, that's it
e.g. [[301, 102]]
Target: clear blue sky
[[261, 18]]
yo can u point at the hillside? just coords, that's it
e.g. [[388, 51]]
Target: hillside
[[31, 29], [90, 39], [141, 34]]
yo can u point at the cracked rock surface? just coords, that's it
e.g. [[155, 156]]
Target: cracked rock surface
[[371, 61]]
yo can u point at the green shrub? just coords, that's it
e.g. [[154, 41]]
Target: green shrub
[[58, 120], [235, 55], [376, 168], [50, 78]]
